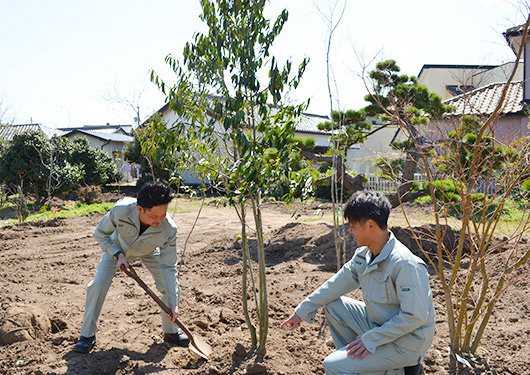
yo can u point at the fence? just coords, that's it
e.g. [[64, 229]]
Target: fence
[[376, 183]]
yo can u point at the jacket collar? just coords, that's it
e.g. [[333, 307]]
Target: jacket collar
[[134, 216], [384, 254]]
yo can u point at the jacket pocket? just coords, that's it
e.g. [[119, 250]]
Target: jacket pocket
[[383, 289], [126, 230]]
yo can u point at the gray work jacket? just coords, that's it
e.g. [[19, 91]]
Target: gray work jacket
[[396, 291], [119, 230]]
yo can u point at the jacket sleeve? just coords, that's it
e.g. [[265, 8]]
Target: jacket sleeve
[[339, 284], [412, 288], [104, 230], [168, 268]]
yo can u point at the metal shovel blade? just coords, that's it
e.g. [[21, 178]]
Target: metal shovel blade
[[197, 343]]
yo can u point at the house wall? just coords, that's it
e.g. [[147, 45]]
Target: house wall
[[436, 78], [111, 147], [361, 158], [507, 129], [511, 128]]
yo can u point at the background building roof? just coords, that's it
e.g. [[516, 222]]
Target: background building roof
[[8, 131], [125, 129], [116, 137], [484, 100], [309, 124]]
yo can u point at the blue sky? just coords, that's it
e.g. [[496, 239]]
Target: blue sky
[[62, 60]]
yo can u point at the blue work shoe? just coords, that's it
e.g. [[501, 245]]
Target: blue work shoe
[[178, 338], [85, 344]]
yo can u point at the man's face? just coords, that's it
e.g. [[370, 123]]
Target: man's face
[[360, 230], [153, 216]]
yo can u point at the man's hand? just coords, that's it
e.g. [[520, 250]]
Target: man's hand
[[293, 321], [356, 349], [122, 260], [174, 313]]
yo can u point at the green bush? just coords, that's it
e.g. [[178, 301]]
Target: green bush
[[322, 189], [98, 166], [44, 168]]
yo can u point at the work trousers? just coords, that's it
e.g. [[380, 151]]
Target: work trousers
[[97, 291], [347, 318]]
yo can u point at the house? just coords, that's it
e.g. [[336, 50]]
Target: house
[[307, 127], [451, 80], [479, 90], [8, 131], [513, 122], [112, 143], [109, 138], [108, 128], [360, 157]]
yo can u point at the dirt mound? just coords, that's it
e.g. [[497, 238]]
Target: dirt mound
[[425, 238], [23, 322]]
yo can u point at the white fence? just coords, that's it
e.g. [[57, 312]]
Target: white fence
[[376, 183]]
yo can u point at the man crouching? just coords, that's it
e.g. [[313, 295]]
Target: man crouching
[[390, 332]]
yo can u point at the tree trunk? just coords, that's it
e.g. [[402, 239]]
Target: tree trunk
[[401, 196], [263, 308], [351, 182], [246, 262]]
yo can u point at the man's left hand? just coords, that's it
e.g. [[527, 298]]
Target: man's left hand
[[356, 349], [174, 311]]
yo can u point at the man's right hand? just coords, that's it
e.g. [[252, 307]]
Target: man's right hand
[[122, 260], [294, 321]]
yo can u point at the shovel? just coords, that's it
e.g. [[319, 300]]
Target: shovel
[[197, 344]]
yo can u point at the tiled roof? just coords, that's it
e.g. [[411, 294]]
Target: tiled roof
[[8, 131], [102, 128], [309, 124], [484, 100], [116, 137]]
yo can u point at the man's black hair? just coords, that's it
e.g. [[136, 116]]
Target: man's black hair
[[154, 194], [366, 205]]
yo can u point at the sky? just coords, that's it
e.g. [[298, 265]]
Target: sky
[[70, 63]]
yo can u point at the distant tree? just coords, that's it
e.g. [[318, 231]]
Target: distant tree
[[399, 99], [37, 167], [4, 112], [20, 166], [42, 168]]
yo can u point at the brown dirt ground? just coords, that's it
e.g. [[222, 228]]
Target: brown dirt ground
[[49, 265]]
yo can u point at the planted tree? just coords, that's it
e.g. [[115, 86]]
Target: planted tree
[[152, 167], [470, 176], [233, 130]]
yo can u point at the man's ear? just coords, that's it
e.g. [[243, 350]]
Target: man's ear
[[140, 209], [371, 224]]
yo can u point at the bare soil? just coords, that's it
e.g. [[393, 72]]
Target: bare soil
[[44, 269]]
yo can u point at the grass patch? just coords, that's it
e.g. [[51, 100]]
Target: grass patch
[[51, 213]]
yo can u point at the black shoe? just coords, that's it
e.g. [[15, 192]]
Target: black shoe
[[85, 344], [414, 370], [179, 338]]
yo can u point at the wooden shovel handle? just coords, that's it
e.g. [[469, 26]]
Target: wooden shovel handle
[[132, 273]]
